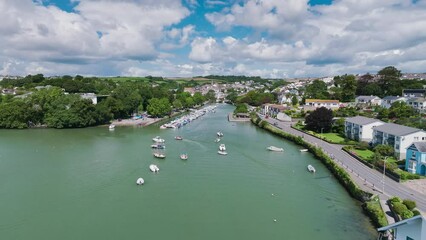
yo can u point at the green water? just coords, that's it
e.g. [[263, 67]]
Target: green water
[[80, 184]]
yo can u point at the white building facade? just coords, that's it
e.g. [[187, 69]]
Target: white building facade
[[361, 128]]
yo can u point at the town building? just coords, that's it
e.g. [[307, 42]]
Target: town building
[[389, 100], [272, 109], [409, 229], [416, 158], [312, 104], [368, 100], [361, 128], [409, 93], [398, 136], [418, 103], [90, 96]]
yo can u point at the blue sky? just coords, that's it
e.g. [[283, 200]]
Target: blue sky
[[174, 38]]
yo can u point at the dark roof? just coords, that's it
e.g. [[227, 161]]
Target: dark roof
[[421, 146], [360, 120], [396, 129], [392, 97]]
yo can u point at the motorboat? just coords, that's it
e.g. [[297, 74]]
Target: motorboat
[[163, 127], [157, 139], [140, 181], [219, 134], [158, 146], [304, 150], [178, 138], [159, 155], [184, 156], [275, 149], [222, 152], [311, 169], [217, 140], [154, 168], [111, 127], [222, 147]]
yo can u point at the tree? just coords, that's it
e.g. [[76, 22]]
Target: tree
[[320, 120], [159, 107], [317, 90], [348, 85], [198, 98], [384, 150], [211, 96], [241, 108], [339, 126], [177, 104], [294, 100], [390, 80], [400, 109]]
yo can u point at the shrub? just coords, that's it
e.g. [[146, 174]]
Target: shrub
[[399, 208], [395, 200], [409, 203], [362, 146], [407, 214], [416, 212], [385, 150]]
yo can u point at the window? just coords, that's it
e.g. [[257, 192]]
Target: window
[[408, 238], [416, 138]]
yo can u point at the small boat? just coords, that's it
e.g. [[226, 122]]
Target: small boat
[[304, 150], [178, 138], [163, 127], [159, 155], [184, 156], [219, 134], [222, 147], [217, 140], [158, 146], [222, 152], [311, 169], [157, 139], [140, 181], [154, 168], [275, 149], [111, 127]]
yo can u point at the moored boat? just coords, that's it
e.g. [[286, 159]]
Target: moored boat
[[219, 134], [222, 152], [140, 181], [311, 169], [154, 168], [179, 138], [159, 155], [184, 156], [111, 127], [275, 149], [158, 139], [304, 150], [222, 147], [158, 146], [217, 140]]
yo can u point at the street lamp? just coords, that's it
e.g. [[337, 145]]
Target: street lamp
[[321, 132], [384, 172]]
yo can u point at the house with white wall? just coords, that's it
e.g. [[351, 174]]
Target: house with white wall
[[416, 158], [398, 136], [368, 100], [312, 104], [389, 100], [409, 229], [360, 128], [418, 103]]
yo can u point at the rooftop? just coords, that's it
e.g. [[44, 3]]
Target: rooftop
[[367, 97], [321, 100], [421, 146], [360, 120], [396, 129]]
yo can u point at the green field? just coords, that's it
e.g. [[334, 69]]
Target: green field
[[364, 154], [331, 137]]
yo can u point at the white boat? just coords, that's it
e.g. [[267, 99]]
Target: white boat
[[111, 127], [275, 149], [219, 134], [184, 156], [311, 168], [304, 150], [140, 181], [163, 127], [217, 140], [222, 147], [154, 168], [179, 138], [159, 155], [158, 139], [222, 152]]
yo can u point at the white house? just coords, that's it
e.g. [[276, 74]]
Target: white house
[[389, 100], [312, 104], [398, 136], [418, 103], [368, 100], [361, 128], [409, 229], [90, 96]]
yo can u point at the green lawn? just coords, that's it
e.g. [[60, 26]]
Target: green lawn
[[332, 137], [364, 154]]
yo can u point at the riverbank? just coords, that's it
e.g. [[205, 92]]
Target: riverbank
[[136, 122], [232, 118]]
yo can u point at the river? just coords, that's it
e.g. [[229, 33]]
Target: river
[[80, 184]]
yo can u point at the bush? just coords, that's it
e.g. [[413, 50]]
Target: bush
[[409, 203], [395, 200], [399, 208], [407, 214], [416, 212], [385, 150], [362, 146], [375, 212]]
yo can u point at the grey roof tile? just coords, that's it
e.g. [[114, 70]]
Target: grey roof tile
[[396, 129], [360, 120]]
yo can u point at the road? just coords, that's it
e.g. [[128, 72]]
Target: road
[[368, 179]]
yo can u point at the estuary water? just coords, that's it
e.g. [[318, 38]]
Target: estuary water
[[80, 184]]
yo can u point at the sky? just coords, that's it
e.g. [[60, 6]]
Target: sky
[[184, 38]]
